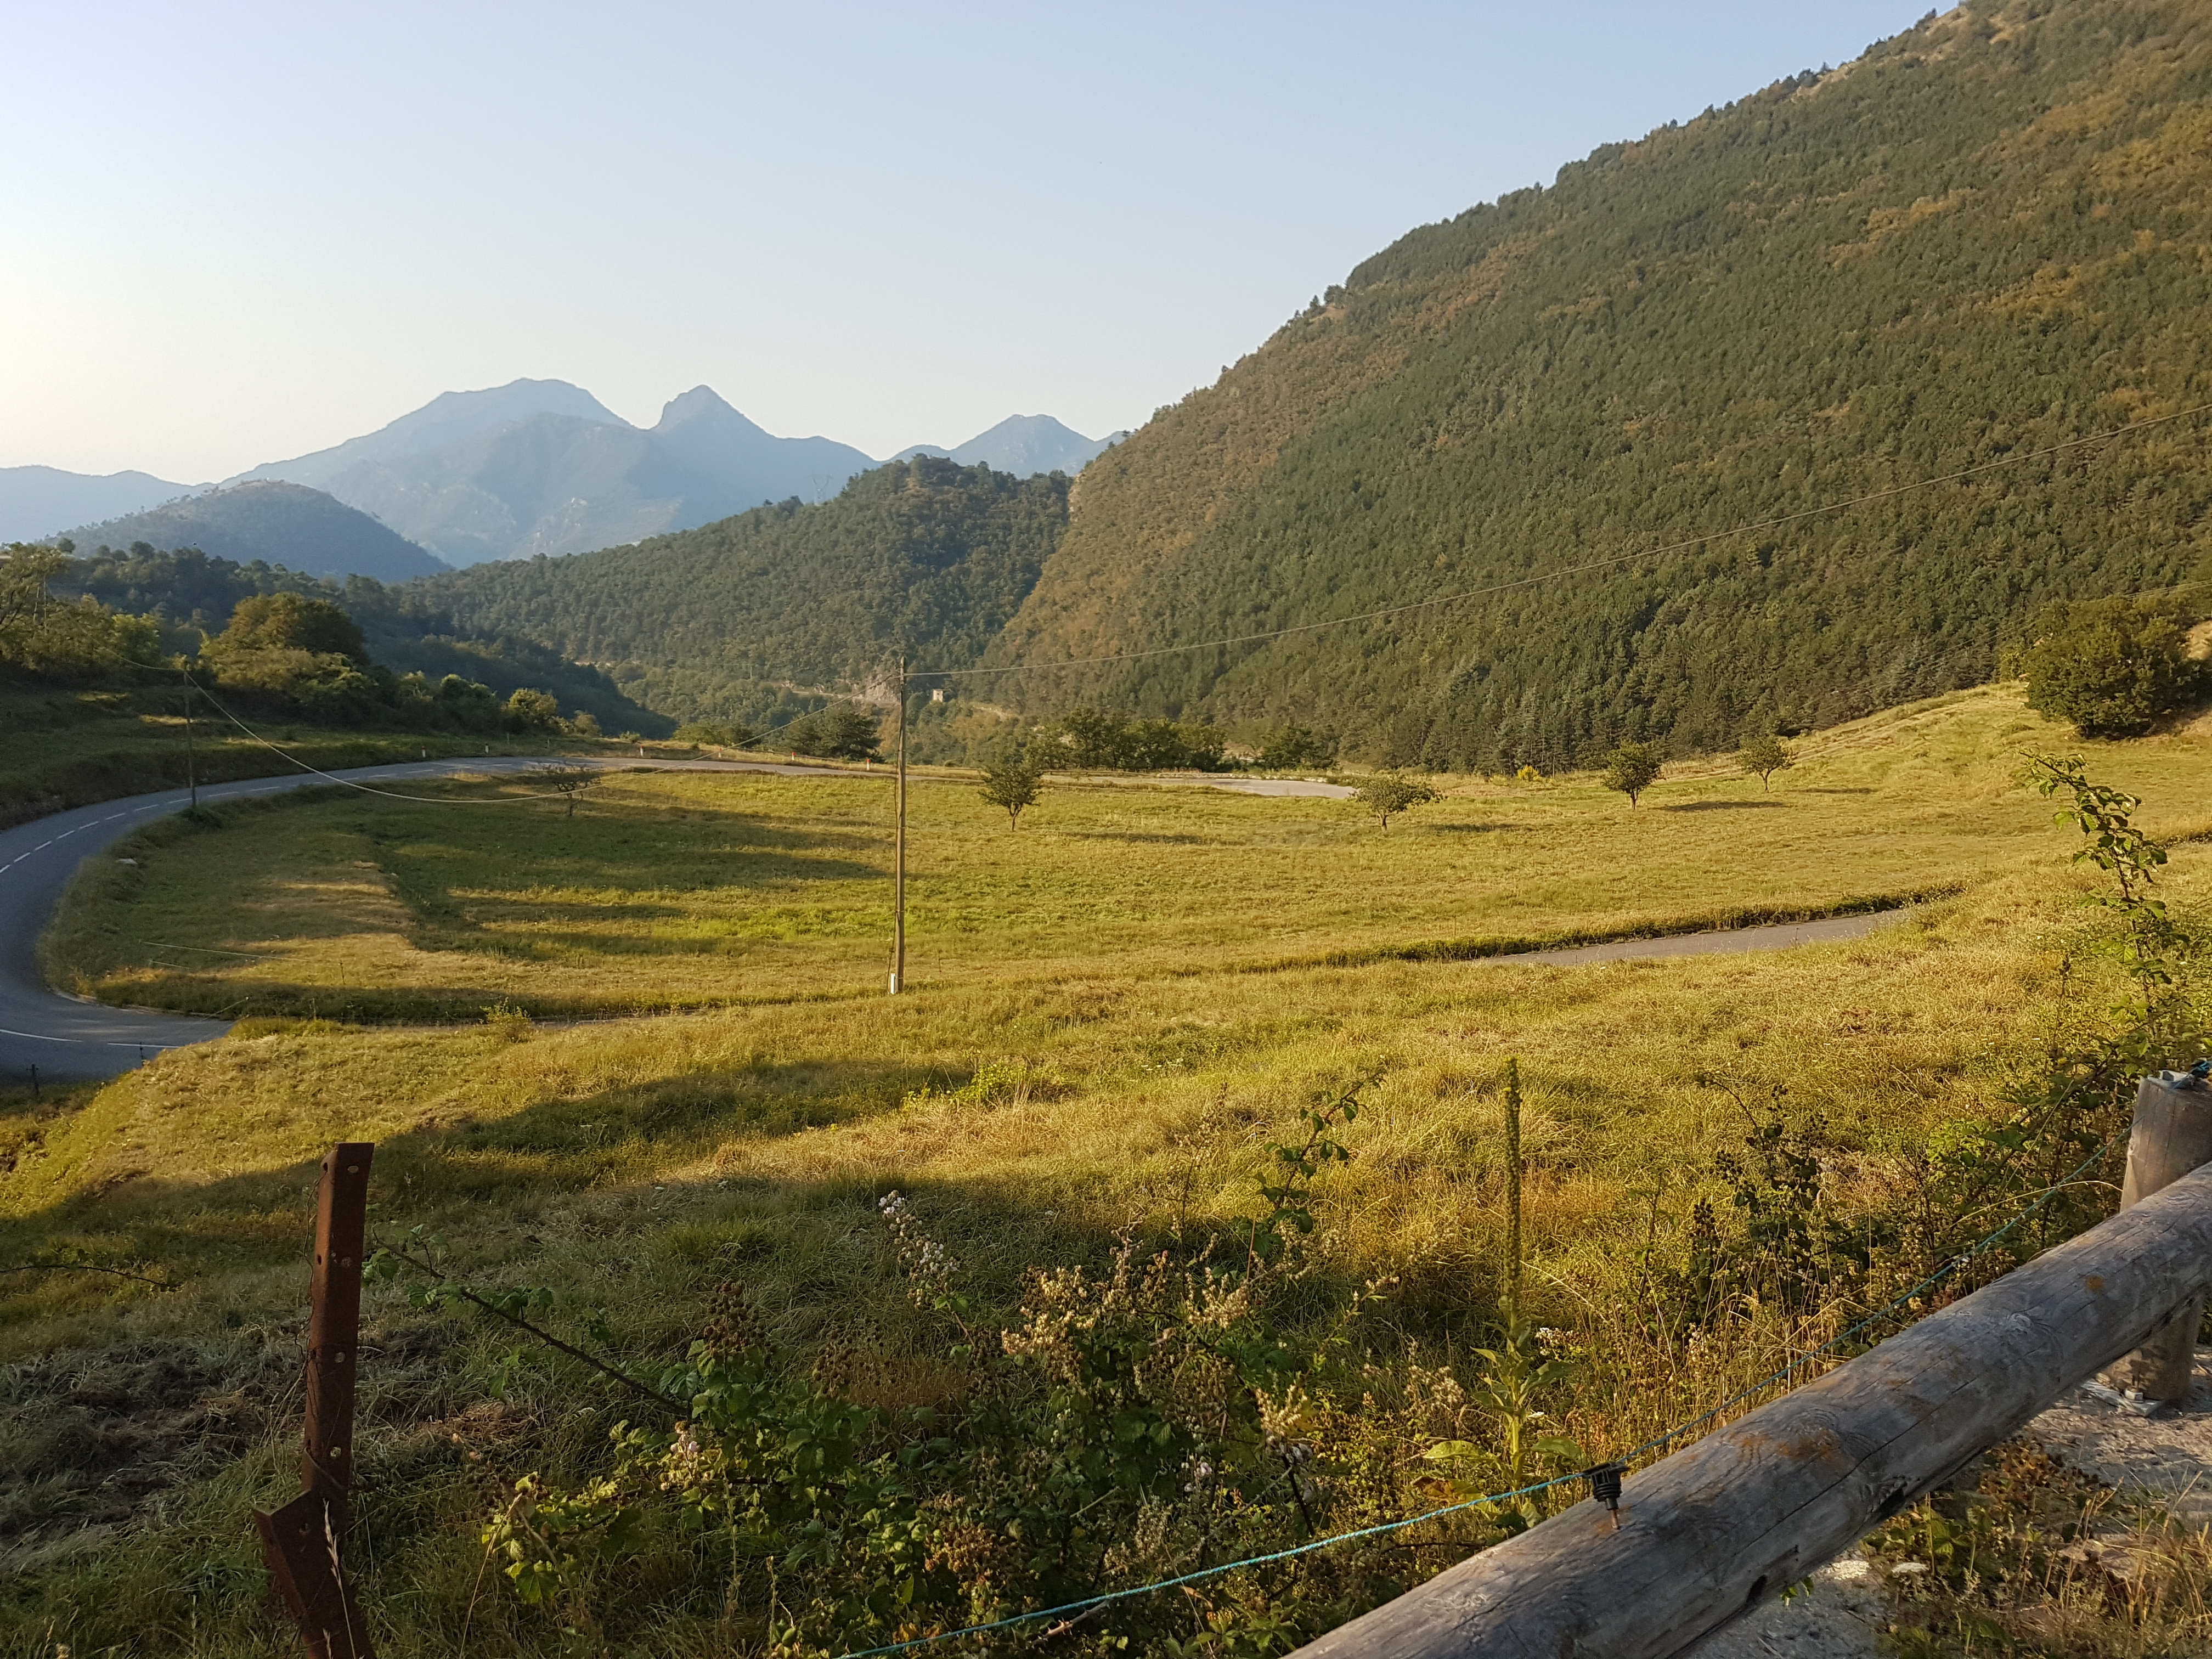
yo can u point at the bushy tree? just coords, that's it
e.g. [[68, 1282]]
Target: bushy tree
[[1297, 746], [292, 622], [1762, 757], [2111, 666], [1013, 784], [1386, 795], [530, 710], [1115, 742], [47, 637], [1633, 768], [843, 731]]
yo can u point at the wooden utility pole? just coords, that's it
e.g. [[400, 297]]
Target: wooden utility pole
[[2172, 1135], [898, 856], [192, 756], [300, 1541]]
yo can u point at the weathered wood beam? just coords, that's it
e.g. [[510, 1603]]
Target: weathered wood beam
[[2171, 1136], [1706, 1534]]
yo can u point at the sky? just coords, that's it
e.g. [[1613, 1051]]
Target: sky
[[231, 234]]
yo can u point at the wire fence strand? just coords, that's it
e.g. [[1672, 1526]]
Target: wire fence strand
[[1945, 1271]]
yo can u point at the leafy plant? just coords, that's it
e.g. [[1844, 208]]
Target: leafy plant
[[2111, 666], [1013, 785], [1632, 768], [1386, 795], [1762, 757]]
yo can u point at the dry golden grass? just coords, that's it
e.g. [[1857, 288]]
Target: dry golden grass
[[678, 890], [634, 1162]]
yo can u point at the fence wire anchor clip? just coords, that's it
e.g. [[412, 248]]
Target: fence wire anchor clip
[[1605, 1486]]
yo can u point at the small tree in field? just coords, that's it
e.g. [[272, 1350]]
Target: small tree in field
[[1386, 795], [1013, 784], [568, 781], [1633, 768], [1763, 756]]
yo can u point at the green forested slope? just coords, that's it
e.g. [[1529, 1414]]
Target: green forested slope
[[193, 593], [726, 621], [1987, 235]]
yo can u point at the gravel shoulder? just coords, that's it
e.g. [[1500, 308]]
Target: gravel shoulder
[[2165, 1460]]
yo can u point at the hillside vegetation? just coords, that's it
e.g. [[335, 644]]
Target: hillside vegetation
[[271, 523], [286, 670], [190, 592], [1988, 235], [726, 621]]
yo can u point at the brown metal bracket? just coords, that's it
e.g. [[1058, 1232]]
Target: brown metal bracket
[[300, 1541]]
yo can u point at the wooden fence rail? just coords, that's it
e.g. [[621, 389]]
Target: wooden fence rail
[[1705, 1535]]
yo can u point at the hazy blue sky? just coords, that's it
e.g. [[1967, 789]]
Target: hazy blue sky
[[234, 232]]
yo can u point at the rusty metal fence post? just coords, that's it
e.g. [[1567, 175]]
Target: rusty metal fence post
[[301, 1541]]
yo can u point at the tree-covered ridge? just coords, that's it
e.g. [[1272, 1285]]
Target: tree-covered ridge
[[190, 593], [720, 621], [1989, 235]]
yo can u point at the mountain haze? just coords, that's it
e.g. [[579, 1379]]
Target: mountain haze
[[279, 524], [451, 418], [542, 467], [37, 502], [1990, 234], [1023, 445]]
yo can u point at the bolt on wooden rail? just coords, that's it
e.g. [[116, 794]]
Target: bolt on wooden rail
[[1705, 1535], [302, 1542]]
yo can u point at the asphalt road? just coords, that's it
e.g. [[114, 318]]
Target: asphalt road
[[69, 1038]]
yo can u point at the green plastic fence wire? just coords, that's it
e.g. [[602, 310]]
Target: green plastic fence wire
[[1652, 1445]]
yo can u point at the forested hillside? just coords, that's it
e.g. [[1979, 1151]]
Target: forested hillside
[[196, 593], [1990, 234], [729, 621], [286, 524]]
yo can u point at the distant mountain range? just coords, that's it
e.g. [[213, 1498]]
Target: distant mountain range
[[1023, 445], [532, 467], [543, 467], [279, 524], [37, 500]]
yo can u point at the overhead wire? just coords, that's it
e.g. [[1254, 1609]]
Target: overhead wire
[[355, 783]]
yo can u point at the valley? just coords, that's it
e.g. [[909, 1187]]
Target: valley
[[1344, 1102], [655, 1078]]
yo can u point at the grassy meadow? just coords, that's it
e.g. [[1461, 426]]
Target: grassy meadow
[[69, 748], [669, 890], [1078, 1065]]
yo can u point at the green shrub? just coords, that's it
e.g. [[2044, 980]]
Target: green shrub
[[2112, 667]]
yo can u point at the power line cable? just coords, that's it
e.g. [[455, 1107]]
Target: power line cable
[[1691, 543], [352, 783]]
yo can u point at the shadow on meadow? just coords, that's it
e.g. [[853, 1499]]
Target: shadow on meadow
[[138, 1440]]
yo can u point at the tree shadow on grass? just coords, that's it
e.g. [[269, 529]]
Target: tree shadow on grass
[[552, 1146], [1718, 806]]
